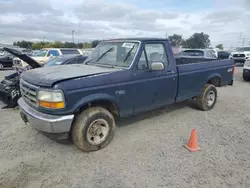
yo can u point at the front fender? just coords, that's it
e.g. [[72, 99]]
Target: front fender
[[95, 97]]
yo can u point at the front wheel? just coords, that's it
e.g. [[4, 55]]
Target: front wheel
[[1, 66], [207, 98], [93, 129]]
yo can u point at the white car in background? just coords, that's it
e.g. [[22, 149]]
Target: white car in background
[[45, 54], [87, 51], [246, 70], [240, 55]]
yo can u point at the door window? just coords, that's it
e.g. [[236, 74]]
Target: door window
[[156, 53]]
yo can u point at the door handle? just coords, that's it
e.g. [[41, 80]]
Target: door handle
[[170, 72]]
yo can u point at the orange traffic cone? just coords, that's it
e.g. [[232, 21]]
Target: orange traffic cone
[[192, 144]]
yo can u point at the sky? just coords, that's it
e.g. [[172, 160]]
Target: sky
[[226, 21]]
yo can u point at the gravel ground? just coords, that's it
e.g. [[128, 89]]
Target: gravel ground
[[147, 150]]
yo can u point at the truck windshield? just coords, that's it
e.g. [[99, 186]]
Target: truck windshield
[[40, 53], [120, 54]]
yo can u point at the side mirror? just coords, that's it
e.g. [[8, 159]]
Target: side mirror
[[51, 55], [157, 66]]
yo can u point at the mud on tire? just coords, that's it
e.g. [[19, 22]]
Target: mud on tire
[[207, 98], [93, 129]]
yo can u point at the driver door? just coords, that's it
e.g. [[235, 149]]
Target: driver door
[[154, 88]]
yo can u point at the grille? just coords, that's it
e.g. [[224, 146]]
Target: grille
[[28, 92], [239, 55]]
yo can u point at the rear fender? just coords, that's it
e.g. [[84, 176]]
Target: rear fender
[[214, 76]]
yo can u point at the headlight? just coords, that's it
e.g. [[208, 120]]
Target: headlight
[[247, 63], [51, 99]]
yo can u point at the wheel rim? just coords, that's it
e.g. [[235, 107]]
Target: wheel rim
[[1, 66], [97, 131], [210, 98]]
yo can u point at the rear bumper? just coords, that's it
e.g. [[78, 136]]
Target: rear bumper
[[48, 124]]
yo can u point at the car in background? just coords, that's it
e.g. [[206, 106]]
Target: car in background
[[195, 55], [87, 51], [9, 87], [246, 70], [45, 54], [240, 55], [2, 52], [66, 60], [223, 54], [6, 61]]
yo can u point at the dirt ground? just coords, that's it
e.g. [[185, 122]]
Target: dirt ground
[[147, 150]]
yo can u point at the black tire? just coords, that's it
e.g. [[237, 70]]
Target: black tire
[[245, 78], [202, 100], [81, 126]]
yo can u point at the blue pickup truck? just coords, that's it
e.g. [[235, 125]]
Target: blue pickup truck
[[121, 77]]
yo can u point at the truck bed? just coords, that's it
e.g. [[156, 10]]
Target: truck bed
[[188, 86]]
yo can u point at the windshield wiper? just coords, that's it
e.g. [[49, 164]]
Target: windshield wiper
[[98, 58], [101, 56], [88, 61], [128, 54]]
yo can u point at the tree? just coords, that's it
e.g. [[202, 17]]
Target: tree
[[23, 44], [37, 45], [198, 40], [69, 45], [176, 40], [220, 46], [57, 44], [95, 43], [87, 45]]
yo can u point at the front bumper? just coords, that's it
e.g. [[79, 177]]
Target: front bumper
[[44, 122], [240, 61]]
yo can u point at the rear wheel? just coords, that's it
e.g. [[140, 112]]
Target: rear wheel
[[93, 129], [1, 66], [208, 97]]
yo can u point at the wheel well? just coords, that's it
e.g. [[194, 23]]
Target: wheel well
[[216, 81], [110, 106]]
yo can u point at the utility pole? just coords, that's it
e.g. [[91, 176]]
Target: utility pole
[[73, 32], [166, 35], [231, 47]]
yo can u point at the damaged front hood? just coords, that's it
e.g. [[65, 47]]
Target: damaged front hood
[[47, 76], [29, 60]]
